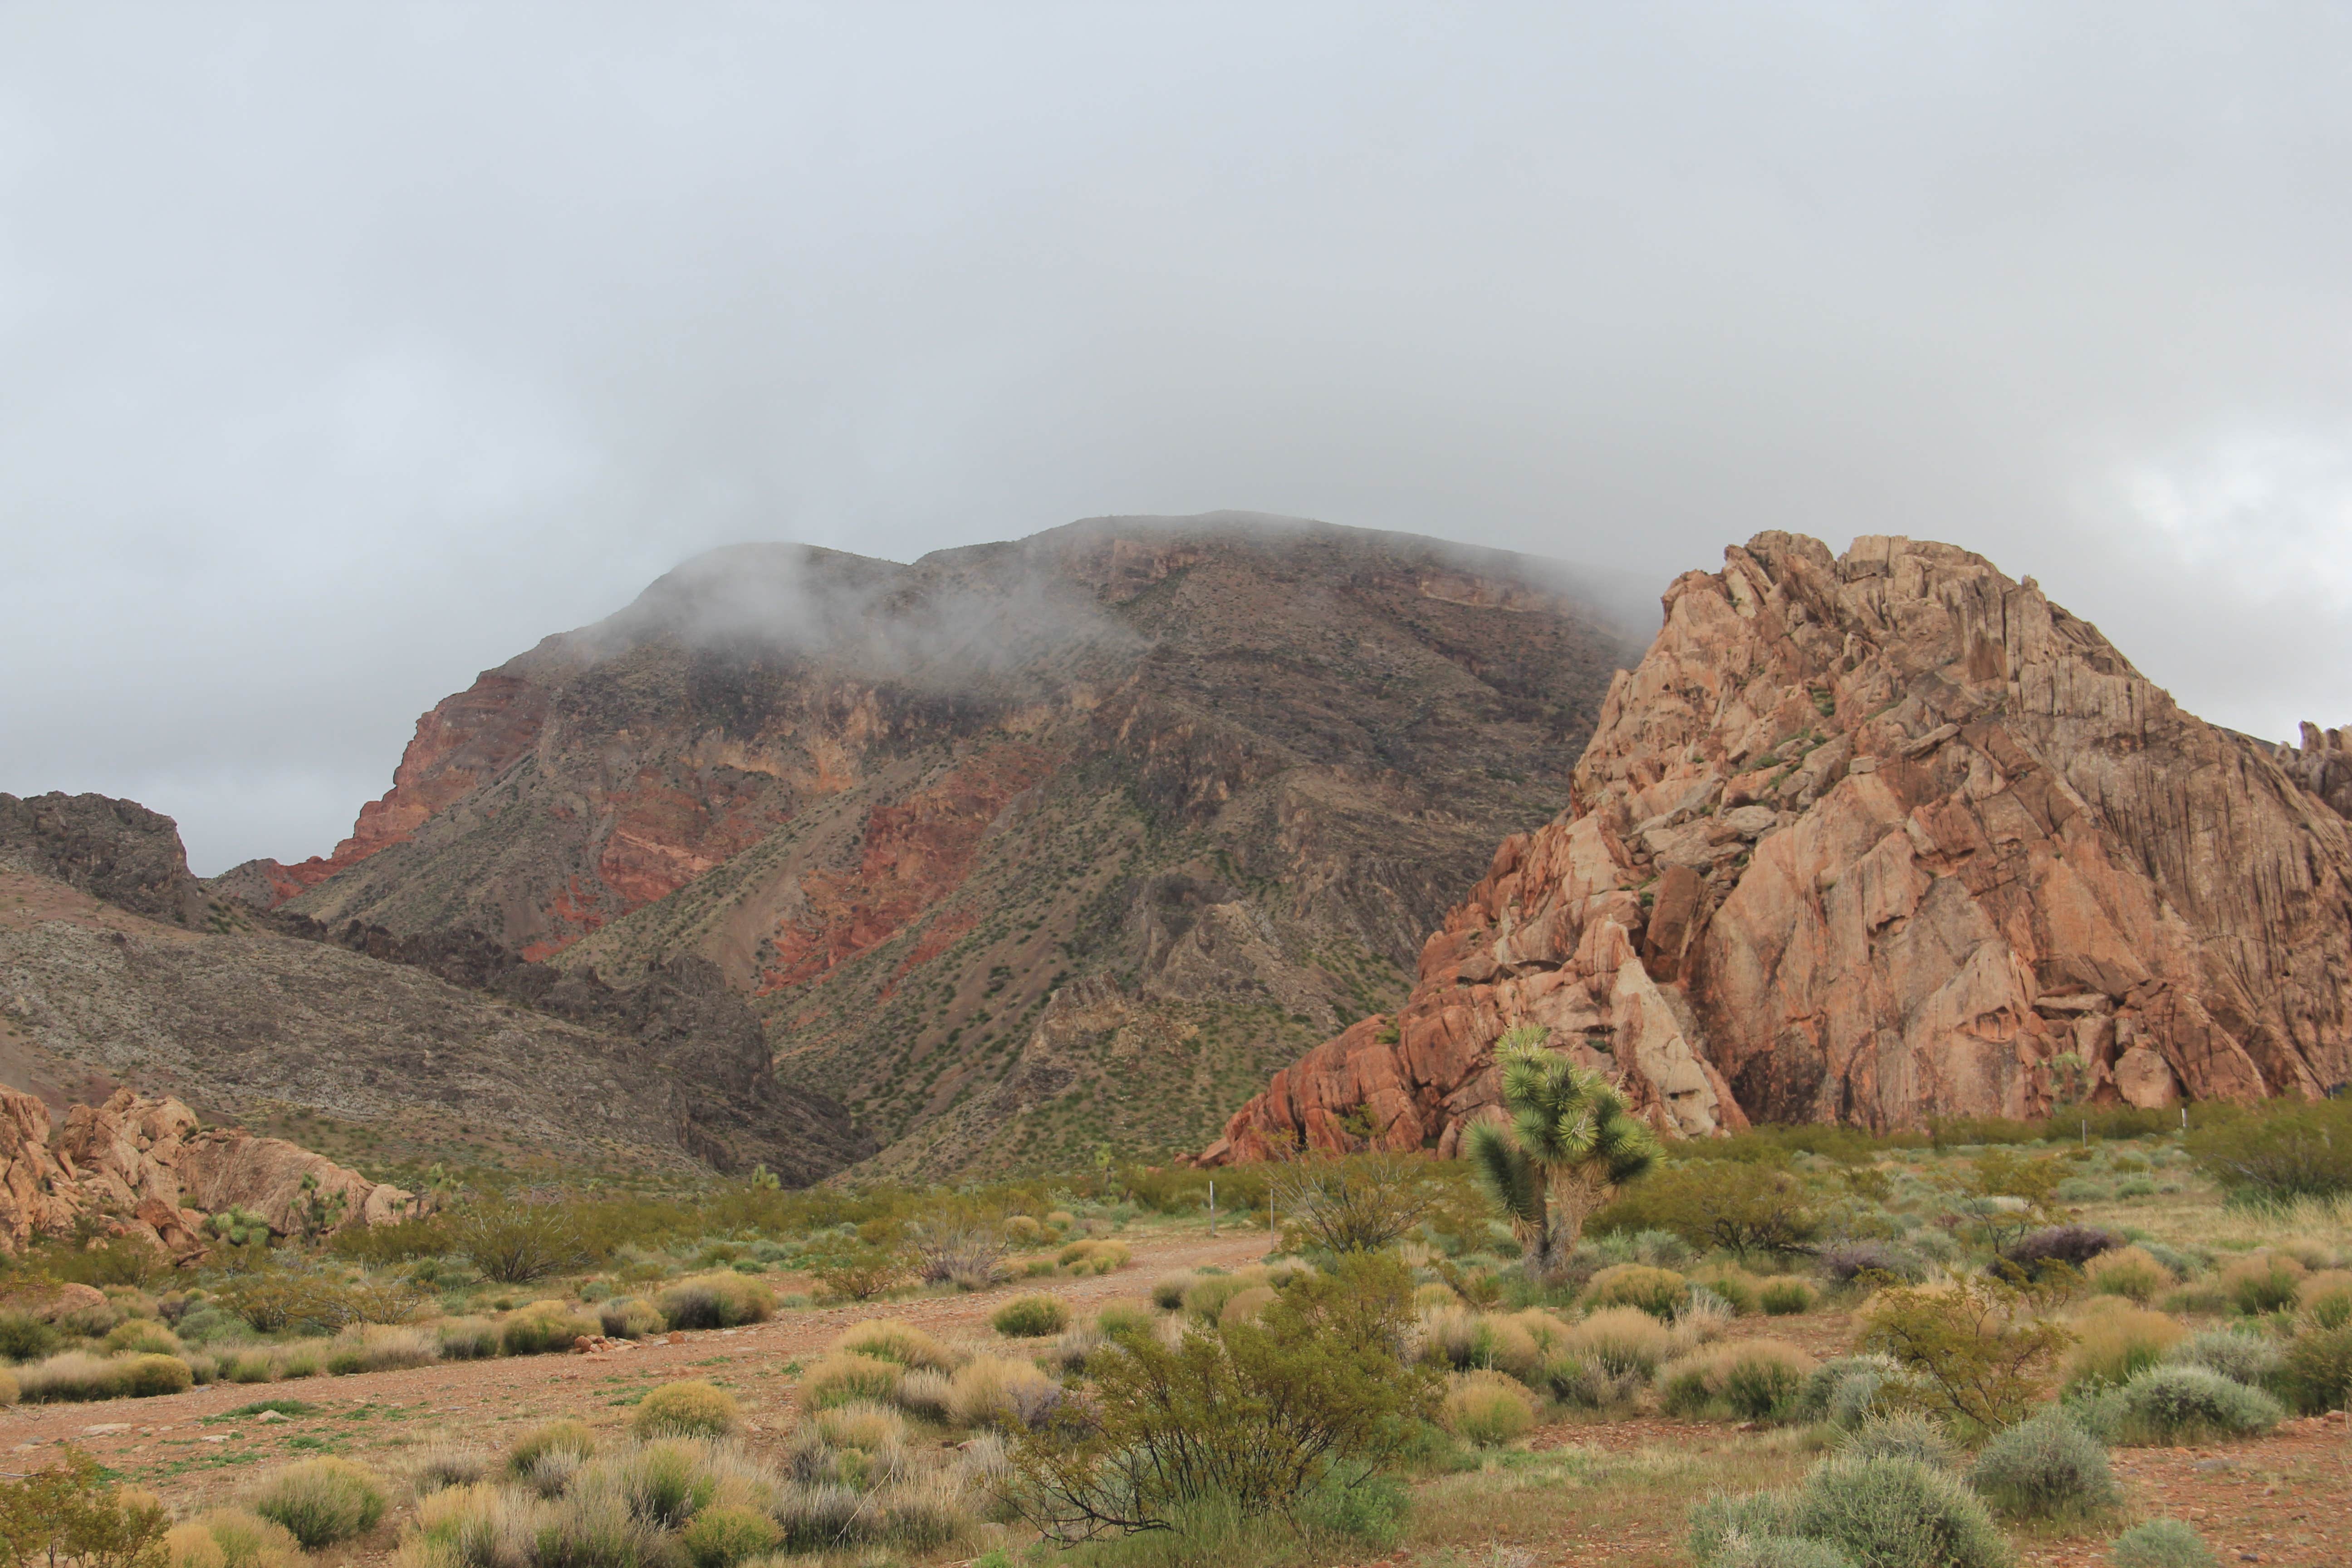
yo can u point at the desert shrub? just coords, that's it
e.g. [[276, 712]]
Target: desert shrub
[[445, 1464], [2282, 1150], [629, 1317], [907, 1345], [1206, 1297], [517, 1244], [996, 1390], [1360, 1203], [9, 1393], [2131, 1272], [1897, 1513], [726, 1534], [1746, 1207], [571, 1439], [2316, 1372], [1750, 1380], [2114, 1342], [1903, 1435], [140, 1336], [2262, 1282], [1974, 1349], [926, 1396], [1168, 1292], [1247, 1304], [2161, 1543], [2325, 1297], [843, 1376], [1660, 1292], [690, 1409], [467, 1339], [68, 1512], [1781, 1552], [1024, 1230], [1621, 1341], [232, 1538], [2046, 1467], [321, 1501], [1030, 1317], [1723, 1520], [2241, 1355], [543, 1328], [1822, 1389], [967, 1256], [862, 1273], [716, 1301], [1735, 1287], [1094, 1256], [2185, 1404], [79, 1375], [24, 1337], [1487, 1409], [1785, 1297], [1254, 1413], [2071, 1245], [384, 1347], [1123, 1318], [1851, 1260]]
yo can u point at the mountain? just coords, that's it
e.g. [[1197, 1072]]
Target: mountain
[[1870, 838], [118, 968], [1019, 851]]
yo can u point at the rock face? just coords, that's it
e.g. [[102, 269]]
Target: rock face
[[145, 1168], [1229, 768], [116, 850], [1875, 838]]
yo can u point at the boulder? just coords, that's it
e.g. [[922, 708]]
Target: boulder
[[1871, 838]]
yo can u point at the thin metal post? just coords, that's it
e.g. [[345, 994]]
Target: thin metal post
[[1212, 1206]]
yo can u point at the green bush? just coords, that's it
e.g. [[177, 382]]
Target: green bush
[[572, 1438], [1781, 1551], [1786, 1297], [627, 1318], [1746, 1207], [1826, 1395], [2046, 1467], [2284, 1149], [544, 1328], [1903, 1435], [321, 1502], [1724, 1518], [1487, 1409], [692, 1410], [2161, 1543], [716, 1301], [24, 1337], [724, 1535], [1897, 1513], [1030, 1317], [2173, 1405], [2316, 1371], [467, 1339], [1660, 1292]]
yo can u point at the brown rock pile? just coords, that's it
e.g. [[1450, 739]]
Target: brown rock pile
[[1871, 838], [146, 1168]]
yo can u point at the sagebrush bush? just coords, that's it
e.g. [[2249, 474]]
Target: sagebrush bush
[[321, 1501], [545, 1328], [2161, 1543], [467, 1339], [1619, 1339], [1206, 1296], [996, 1390], [1735, 1288], [1786, 1297], [1723, 1518], [1123, 1318], [445, 1464], [889, 1340], [1031, 1317], [567, 1437], [24, 1337], [727, 1533], [231, 1538], [2262, 1282], [690, 1409], [2325, 1299], [1247, 1304], [1094, 1256], [1660, 1292], [2173, 1405], [2114, 1341], [1487, 1409], [2045, 1467], [140, 1336], [1814, 1401], [1168, 1291], [842, 1376], [629, 1317], [927, 1396], [1781, 1552], [725, 1301], [1897, 1513], [77, 1375], [2316, 1371], [2131, 1272], [1903, 1435], [146, 1376], [2242, 1355], [1748, 1380], [384, 1347]]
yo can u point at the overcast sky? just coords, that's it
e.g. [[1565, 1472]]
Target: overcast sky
[[347, 349]]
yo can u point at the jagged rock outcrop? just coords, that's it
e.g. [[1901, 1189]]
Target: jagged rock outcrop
[[147, 1169], [1871, 838], [1232, 766], [116, 850], [2322, 764]]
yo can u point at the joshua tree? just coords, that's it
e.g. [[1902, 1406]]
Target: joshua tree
[[1569, 1141]]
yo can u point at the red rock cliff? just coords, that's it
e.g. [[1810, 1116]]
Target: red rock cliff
[[1871, 838]]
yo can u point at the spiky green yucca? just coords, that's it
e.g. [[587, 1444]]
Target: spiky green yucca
[[1569, 1141]]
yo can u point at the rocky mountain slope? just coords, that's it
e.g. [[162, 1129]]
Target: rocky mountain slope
[[1023, 848], [432, 1050], [1871, 838]]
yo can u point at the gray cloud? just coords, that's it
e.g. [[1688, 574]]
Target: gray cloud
[[345, 352]]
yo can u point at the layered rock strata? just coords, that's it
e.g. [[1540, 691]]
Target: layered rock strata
[[147, 1169], [1874, 838]]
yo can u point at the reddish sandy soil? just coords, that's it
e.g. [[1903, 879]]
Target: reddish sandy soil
[[2285, 1498]]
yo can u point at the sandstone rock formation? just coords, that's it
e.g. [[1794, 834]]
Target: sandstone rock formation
[[1872, 839], [145, 1168], [1232, 768], [116, 850]]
